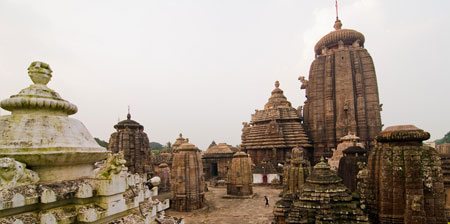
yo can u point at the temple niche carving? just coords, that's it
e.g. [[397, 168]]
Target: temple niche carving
[[187, 180], [131, 139], [274, 131], [403, 181], [342, 93]]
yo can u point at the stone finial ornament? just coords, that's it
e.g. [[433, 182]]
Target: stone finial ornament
[[40, 72], [39, 97], [337, 24], [13, 173]]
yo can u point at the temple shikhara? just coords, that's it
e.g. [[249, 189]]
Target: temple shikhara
[[342, 92], [131, 139], [326, 161]]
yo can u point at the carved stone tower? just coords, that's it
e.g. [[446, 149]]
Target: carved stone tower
[[131, 139], [342, 92], [187, 183], [240, 177]]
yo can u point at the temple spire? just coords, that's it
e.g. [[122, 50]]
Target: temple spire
[[128, 115]]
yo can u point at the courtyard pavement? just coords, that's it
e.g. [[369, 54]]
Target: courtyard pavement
[[230, 211]]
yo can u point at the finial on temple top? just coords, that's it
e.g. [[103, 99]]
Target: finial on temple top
[[128, 115], [277, 84]]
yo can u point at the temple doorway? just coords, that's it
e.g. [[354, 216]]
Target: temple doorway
[[265, 179], [214, 170]]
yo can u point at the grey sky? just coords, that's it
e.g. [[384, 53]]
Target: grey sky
[[202, 67]]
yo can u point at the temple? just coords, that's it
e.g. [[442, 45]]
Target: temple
[[217, 160], [342, 92], [403, 181], [274, 131], [325, 199], [240, 179], [131, 139], [187, 180]]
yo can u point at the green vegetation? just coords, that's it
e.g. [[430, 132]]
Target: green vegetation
[[445, 139], [101, 143], [156, 152], [155, 146]]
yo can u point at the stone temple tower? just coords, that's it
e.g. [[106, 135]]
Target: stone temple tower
[[342, 92], [187, 181], [240, 177], [131, 139]]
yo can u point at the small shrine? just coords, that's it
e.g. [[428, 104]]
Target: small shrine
[[240, 178], [187, 180], [325, 199]]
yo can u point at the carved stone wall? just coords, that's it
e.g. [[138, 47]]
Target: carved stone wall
[[187, 180], [342, 93]]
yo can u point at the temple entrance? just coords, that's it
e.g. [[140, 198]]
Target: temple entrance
[[214, 170], [265, 179]]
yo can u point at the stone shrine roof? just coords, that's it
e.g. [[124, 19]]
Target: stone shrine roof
[[221, 148], [331, 40], [355, 150], [277, 126], [403, 133], [323, 175], [128, 123]]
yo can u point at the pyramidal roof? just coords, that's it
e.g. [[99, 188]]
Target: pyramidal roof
[[277, 126]]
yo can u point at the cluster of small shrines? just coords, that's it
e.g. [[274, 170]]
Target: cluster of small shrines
[[330, 157]]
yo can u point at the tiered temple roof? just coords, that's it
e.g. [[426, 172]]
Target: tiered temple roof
[[277, 126]]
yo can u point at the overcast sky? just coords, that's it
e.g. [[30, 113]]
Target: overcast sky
[[202, 67]]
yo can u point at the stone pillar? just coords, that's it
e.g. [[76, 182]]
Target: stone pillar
[[187, 180]]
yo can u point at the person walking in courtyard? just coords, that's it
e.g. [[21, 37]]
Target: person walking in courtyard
[[267, 201]]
